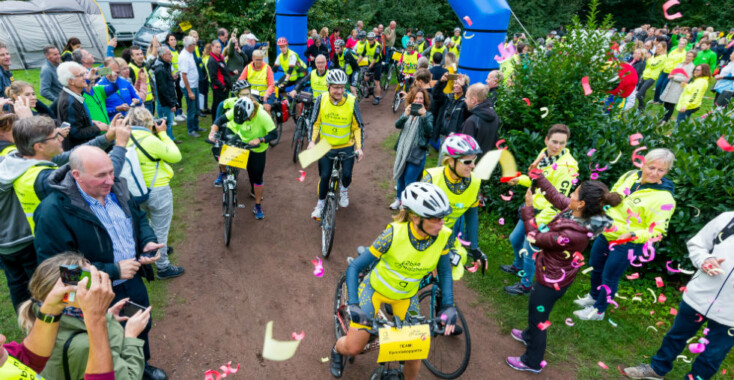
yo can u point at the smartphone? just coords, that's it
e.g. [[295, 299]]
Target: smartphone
[[72, 274], [130, 308], [65, 125], [414, 108], [102, 71], [452, 76], [158, 121], [149, 253]]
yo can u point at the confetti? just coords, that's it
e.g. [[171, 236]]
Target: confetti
[[731, 331], [555, 281], [601, 364], [507, 198], [585, 84], [462, 241], [591, 152], [638, 160], [652, 327], [654, 296], [527, 101], [671, 270], [662, 298], [633, 276], [696, 348], [614, 324], [277, 350], [500, 142], [594, 176], [318, 267], [679, 71], [226, 370], [544, 113], [724, 145], [683, 358], [668, 4], [706, 331], [635, 139], [616, 159], [325, 360], [501, 221], [303, 176], [544, 325], [543, 228], [298, 336], [659, 282], [545, 363], [473, 268], [569, 322], [468, 20], [699, 319], [541, 309], [587, 270], [212, 375], [667, 207]]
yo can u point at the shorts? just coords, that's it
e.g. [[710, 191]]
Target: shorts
[[270, 100], [376, 71], [370, 301]]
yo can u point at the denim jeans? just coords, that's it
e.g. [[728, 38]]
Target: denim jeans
[[159, 207], [684, 327], [609, 266], [166, 113], [660, 86], [468, 225], [19, 268], [150, 106], [685, 115], [536, 338], [523, 261], [411, 173], [192, 111]]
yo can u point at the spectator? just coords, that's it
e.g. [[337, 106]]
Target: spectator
[[124, 95], [223, 37], [260, 76], [203, 75], [126, 348], [83, 58], [250, 46], [6, 76], [7, 143], [171, 43], [221, 75], [236, 59], [72, 44], [406, 38], [332, 40], [23, 184], [724, 88], [352, 40], [483, 124], [390, 35], [436, 69], [71, 108], [324, 33], [50, 86], [190, 82], [155, 152], [140, 71], [692, 96], [139, 85], [95, 97], [710, 289], [166, 89], [311, 34], [152, 53], [494, 79], [316, 49], [454, 112], [638, 61], [360, 25], [674, 88], [653, 66], [20, 89], [94, 204], [674, 58], [411, 148], [705, 56]]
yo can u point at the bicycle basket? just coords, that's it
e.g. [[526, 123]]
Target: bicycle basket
[[305, 97]]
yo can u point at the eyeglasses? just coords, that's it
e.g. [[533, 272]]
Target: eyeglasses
[[468, 162], [56, 136]]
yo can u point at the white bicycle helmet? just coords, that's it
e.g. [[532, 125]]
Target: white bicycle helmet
[[438, 38], [243, 110], [371, 35], [426, 200], [336, 76], [460, 145], [339, 42]]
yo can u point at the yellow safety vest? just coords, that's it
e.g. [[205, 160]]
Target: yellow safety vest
[[7, 150], [342, 58], [456, 40], [359, 47], [14, 369], [435, 50], [284, 64], [149, 91], [410, 62], [336, 121], [370, 51], [258, 79], [460, 203], [399, 272], [420, 46], [174, 59], [318, 83], [25, 191]]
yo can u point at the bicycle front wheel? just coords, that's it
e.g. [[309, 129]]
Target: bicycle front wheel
[[278, 128], [298, 137], [448, 356], [396, 102], [341, 315], [228, 203], [327, 225]]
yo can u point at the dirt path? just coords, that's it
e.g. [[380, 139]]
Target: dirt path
[[219, 308]]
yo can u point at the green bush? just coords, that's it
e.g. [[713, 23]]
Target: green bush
[[702, 172]]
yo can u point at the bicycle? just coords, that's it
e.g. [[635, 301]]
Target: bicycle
[[399, 89], [279, 113], [366, 87], [393, 68], [302, 134], [328, 214], [452, 352]]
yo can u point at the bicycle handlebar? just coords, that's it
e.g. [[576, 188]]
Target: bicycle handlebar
[[231, 141]]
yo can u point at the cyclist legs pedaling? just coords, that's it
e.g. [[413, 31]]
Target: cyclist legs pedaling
[[358, 336], [376, 72], [325, 164]]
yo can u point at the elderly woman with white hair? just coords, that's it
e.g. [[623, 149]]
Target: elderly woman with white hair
[[639, 221]]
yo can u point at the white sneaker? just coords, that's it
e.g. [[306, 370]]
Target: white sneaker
[[395, 205], [316, 214], [344, 198], [587, 300], [174, 122], [179, 118], [589, 313]]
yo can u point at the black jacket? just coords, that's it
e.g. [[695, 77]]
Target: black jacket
[[73, 112], [314, 51], [483, 125], [221, 75], [453, 112], [165, 85]]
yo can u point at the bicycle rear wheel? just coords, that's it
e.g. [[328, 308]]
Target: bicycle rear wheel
[[396, 102], [327, 225], [341, 315], [228, 208], [298, 137], [449, 355], [278, 126]]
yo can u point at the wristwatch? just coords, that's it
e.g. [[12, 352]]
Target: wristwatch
[[46, 317]]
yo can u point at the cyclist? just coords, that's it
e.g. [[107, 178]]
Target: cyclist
[[420, 42], [291, 64], [359, 46], [260, 77], [409, 60], [455, 178], [316, 79], [240, 89], [253, 125], [346, 61], [373, 51], [415, 244], [336, 118], [456, 38], [437, 47]]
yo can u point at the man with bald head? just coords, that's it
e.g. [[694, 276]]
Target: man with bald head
[[91, 211], [483, 124]]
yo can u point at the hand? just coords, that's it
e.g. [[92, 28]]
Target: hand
[[128, 268], [684, 84], [54, 304], [116, 308], [113, 42], [311, 144], [143, 260], [173, 109], [64, 131], [102, 126], [22, 107], [236, 72], [124, 107], [175, 76], [360, 154], [212, 134], [422, 111], [141, 75], [92, 74], [292, 94], [136, 102], [137, 323], [448, 316], [254, 142], [151, 246], [95, 300], [711, 266], [357, 315], [407, 111], [5, 101], [528, 198], [161, 126], [111, 130], [682, 109], [287, 77], [514, 181], [191, 95], [445, 77], [122, 133], [478, 255]]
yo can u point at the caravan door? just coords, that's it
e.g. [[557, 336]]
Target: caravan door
[[126, 16]]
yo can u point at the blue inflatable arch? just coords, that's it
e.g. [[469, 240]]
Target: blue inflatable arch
[[489, 20]]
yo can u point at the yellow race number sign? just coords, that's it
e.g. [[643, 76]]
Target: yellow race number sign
[[408, 343], [232, 156]]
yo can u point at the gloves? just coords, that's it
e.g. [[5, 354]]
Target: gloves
[[448, 315], [357, 314], [478, 255]]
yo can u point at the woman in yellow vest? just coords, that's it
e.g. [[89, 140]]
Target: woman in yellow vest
[[560, 168], [692, 97], [418, 237], [653, 67], [71, 45], [674, 58], [260, 77]]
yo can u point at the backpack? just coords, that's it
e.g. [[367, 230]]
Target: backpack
[[133, 174]]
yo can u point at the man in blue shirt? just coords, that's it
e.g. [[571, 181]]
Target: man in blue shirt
[[6, 76], [50, 86]]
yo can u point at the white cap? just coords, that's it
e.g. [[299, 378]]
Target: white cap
[[251, 37]]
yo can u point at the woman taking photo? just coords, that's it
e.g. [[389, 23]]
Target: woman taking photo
[[123, 95], [559, 168], [653, 66], [19, 89], [156, 151], [639, 220], [692, 96], [674, 88], [581, 219], [172, 44], [416, 126]]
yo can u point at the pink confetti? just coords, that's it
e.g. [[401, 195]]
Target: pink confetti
[[652, 227], [227, 370], [638, 160], [555, 281], [544, 325], [303, 176], [633, 276], [318, 267], [526, 101], [724, 145], [473, 268], [635, 139], [699, 319], [673, 311], [591, 152], [601, 364], [662, 298], [545, 363], [569, 322], [683, 289], [696, 348], [535, 173], [212, 375], [667, 6], [298, 336], [667, 207], [507, 198], [635, 215], [501, 221], [706, 331], [626, 191], [671, 270], [679, 71], [609, 292], [468, 20], [659, 282], [556, 287], [594, 176], [585, 84], [462, 241], [500, 142]]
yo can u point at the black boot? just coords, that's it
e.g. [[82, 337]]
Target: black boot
[[337, 363]]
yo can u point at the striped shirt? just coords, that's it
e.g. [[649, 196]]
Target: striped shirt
[[118, 225]]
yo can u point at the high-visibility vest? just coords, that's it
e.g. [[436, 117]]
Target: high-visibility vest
[[435, 50], [421, 46], [343, 62], [460, 203], [284, 62], [258, 79], [15, 369], [136, 70], [370, 51], [336, 121], [7, 150], [456, 40], [318, 83], [410, 62], [25, 191], [174, 59]]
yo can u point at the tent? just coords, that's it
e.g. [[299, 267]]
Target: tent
[[26, 27]]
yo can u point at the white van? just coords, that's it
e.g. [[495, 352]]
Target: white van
[[127, 16]]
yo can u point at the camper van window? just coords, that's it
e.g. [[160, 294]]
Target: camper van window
[[160, 19], [122, 10]]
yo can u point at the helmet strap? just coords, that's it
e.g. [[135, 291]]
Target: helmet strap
[[420, 227], [453, 168]]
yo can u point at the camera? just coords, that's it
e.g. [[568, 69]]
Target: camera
[[72, 274]]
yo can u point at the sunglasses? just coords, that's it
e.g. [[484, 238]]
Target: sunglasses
[[468, 162]]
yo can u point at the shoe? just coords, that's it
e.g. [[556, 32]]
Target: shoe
[[317, 211], [589, 313], [153, 373], [587, 300], [516, 363], [194, 134], [457, 330], [219, 180], [376, 101], [642, 371], [517, 335], [178, 142], [174, 122], [517, 289], [207, 111], [344, 198], [258, 211], [179, 118], [395, 205], [171, 272], [200, 129], [202, 114], [337, 363], [509, 269]]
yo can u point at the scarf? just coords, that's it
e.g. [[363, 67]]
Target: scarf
[[406, 142], [549, 160]]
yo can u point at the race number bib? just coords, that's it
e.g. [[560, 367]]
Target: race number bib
[[232, 156], [408, 343]]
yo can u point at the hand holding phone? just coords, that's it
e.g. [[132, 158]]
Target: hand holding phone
[[415, 108], [103, 71], [130, 308], [452, 76]]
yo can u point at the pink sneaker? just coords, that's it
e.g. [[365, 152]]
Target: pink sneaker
[[517, 335], [515, 363]]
